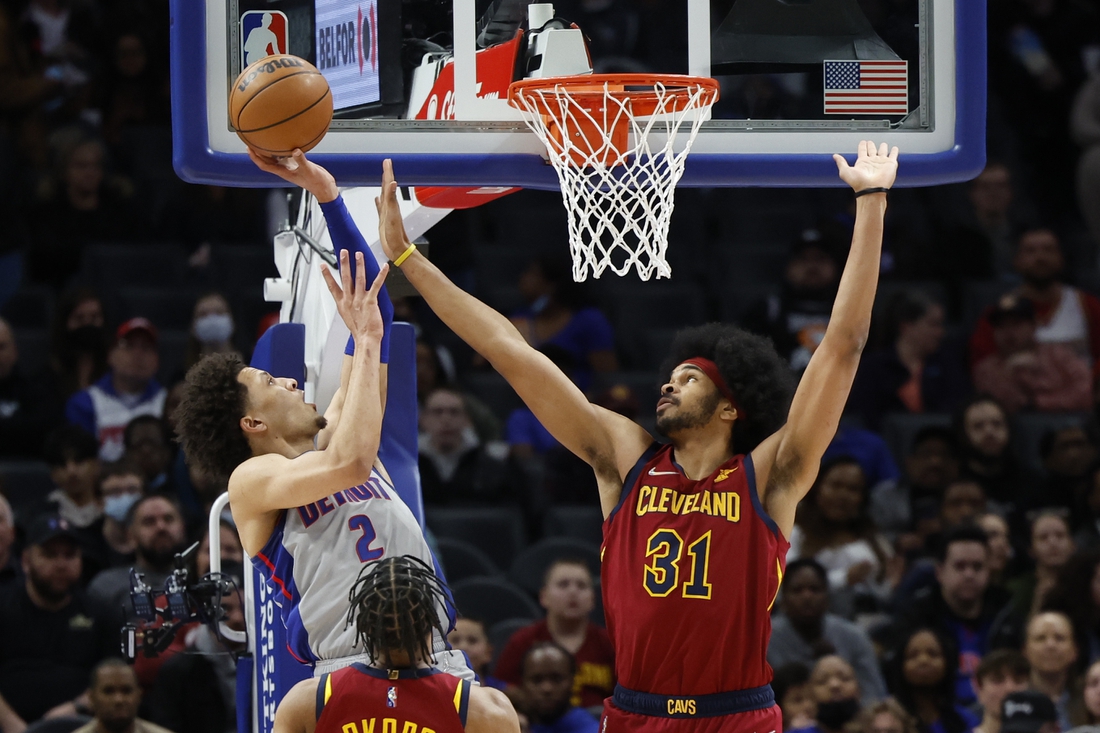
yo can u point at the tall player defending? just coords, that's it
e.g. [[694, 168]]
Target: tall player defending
[[695, 531], [311, 500], [392, 606]]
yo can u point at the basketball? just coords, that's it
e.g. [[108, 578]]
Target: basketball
[[280, 103]]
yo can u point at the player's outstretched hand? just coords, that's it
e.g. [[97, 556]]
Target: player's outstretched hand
[[391, 230], [875, 167], [357, 304], [299, 171]]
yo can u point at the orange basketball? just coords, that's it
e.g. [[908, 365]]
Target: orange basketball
[[280, 103]]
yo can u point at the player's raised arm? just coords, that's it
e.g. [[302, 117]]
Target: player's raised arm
[[608, 442], [788, 461], [276, 481], [298, 170]]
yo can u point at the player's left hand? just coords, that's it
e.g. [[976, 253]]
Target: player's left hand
[[875, 167], [299, 171], [391, 229]]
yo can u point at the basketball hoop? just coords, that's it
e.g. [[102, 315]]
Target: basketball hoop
[[611, 138]]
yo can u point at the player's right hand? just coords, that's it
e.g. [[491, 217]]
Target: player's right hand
[[299, 171], [391, 230], [357, 304]]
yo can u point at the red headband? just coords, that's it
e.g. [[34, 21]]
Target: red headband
[[709, 368]]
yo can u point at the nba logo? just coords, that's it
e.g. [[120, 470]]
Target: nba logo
[[391, 698], [263, 33]]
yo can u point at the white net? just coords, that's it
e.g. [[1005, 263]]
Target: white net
[[616, 156]]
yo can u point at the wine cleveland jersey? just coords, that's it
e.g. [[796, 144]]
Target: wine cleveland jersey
[[362, 699], [690, 572]]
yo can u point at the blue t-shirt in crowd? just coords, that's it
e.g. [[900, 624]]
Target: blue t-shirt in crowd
[[869, 450], [575, 720], [587, 331], [525, 429], [972, 643]]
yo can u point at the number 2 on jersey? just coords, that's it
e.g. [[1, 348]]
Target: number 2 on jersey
[[662, 575], [361, 522]]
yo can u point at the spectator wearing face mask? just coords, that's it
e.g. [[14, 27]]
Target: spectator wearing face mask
[[78, 342], [212, 328], [836, 690], [120, 486]]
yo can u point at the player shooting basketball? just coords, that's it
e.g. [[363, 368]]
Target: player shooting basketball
[[310, 497], [393, 613], [695, 532]]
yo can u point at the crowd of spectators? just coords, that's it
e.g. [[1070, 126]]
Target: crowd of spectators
[[944, 573]]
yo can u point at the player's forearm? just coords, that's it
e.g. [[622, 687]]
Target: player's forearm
[[357, 436], [485, 330], [346, 236], [850, 322]]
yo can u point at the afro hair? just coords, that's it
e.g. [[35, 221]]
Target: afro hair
[[758, 377], [208, 419]]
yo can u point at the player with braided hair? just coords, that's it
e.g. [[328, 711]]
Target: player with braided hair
[[392, 610]]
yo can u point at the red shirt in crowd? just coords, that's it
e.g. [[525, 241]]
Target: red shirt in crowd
[[595, 677]]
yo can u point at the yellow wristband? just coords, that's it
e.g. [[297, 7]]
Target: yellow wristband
[[404, 255]]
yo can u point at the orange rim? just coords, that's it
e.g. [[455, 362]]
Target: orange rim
[[589, 91]]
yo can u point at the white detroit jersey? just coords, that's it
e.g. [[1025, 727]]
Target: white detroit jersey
[[314, 556]]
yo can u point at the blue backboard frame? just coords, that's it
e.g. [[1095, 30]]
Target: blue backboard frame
[[196, 162]]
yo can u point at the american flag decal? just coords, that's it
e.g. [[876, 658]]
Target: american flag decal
[[866, 87]]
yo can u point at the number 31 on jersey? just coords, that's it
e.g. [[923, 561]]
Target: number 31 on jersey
[[665, 549]]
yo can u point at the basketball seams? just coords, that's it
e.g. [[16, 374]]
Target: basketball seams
[[272, 85], [304, 146]]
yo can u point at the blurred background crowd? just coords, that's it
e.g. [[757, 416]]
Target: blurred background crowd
[[948, 555]]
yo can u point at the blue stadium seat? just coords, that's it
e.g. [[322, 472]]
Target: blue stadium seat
[[496, 531], [500, 632], [25, 484], [462, 560], [167, 307], [578, 522], [34, 348], [493, 390], [108, 267], [173, 351], [530, 566], [493, 600], [30, 307], [899, 429], [1029, 429]]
